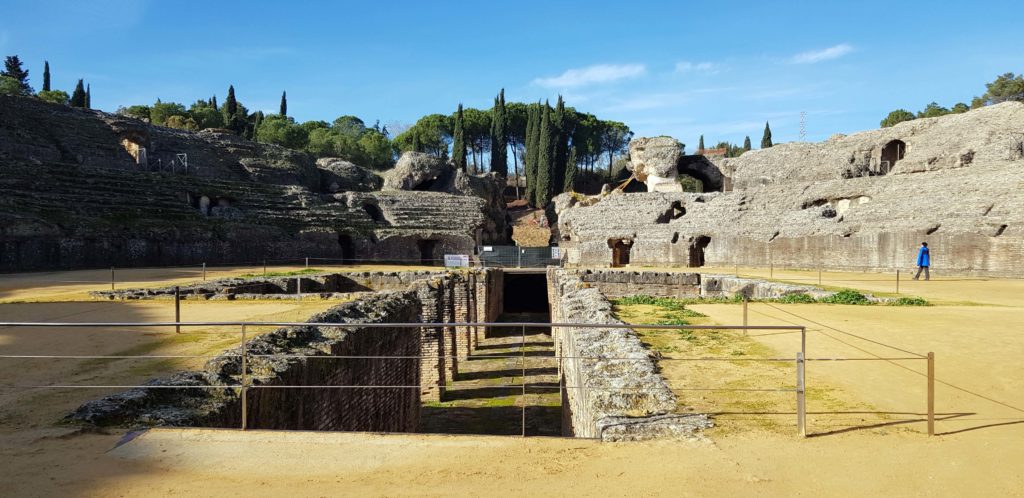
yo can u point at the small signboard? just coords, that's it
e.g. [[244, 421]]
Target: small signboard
[[488, 248], [556, 252], [456, 260]]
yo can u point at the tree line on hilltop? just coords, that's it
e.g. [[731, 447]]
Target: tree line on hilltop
[[1005, 87]]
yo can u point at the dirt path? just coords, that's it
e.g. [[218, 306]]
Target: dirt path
[[486, 397]]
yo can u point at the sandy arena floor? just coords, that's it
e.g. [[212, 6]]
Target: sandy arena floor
[[974, 330]]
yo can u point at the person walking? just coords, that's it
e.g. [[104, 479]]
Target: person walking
[[923, 262]]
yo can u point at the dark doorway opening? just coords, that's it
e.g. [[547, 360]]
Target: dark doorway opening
[[526, 293], [697, 251], [348, 252], [891, 153], [375, 213], [620, 251], [427, 248], [425, 185]]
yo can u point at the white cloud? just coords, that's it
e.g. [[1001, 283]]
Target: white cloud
[[600, 73], [700, 67], [825, 54]]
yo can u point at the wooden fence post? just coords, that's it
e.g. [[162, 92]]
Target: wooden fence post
[[177, 309], [931, 394]]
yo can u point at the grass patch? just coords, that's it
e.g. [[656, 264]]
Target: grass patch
[[668, 303], [846, 296], [909, 301], [304, 271], [800, 298]]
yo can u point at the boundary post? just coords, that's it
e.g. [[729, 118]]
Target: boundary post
[[931, 393], [177, 309], [746, 300], [897, 281], [801, 401], [204, 272], [245, 383], [111, 278], [522, 350], [307, 263]]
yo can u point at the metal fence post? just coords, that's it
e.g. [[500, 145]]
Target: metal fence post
[[522, 350], [307, 263], [177, 309], [931, 394], [245, 382], [897, 281], [801, 400], [819, 274], [111, 278], [204, 272], [298, 287], [746, 300]]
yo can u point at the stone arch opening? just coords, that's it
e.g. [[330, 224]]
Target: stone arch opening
[[620, 251], [697, 251], [135, 145], [427, 249], [700, 169], [891, 153], [348, 253]]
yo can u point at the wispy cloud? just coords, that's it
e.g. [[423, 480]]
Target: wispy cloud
[[697, 67], [825, 54], [600, 73]]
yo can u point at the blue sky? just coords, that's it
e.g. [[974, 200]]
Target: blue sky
[[676, 68]]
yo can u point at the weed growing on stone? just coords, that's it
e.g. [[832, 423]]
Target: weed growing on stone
[[846, 296], [797, 299], [304, 271]]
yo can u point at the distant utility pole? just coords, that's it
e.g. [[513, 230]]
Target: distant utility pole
[[803, 125]]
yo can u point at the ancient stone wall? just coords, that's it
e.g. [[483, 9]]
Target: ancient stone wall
[[294, 357], [612, 389], [619, 283]]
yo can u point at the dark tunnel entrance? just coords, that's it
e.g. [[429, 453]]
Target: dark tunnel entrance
[[526, 293]]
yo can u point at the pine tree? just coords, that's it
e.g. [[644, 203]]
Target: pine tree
[[530, 161], [700, 145], [46, 76], [284, 104], [746, 143], [88, 96], [78, 96], [416, 144], [569, 184], [766, 140], [13, 69], [545, 158], [499, 136], [459, 142]]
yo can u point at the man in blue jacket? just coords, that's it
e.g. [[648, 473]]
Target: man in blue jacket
[[923, 261]]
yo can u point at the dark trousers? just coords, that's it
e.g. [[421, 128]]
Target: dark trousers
[[927, 276]]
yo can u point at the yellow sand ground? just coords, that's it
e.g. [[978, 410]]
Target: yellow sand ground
[[978, 452], [75, 285]]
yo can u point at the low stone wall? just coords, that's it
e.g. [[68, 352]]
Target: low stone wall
[[297, 357], [728, 286], [618, 283], [612, 388], [325, 283]]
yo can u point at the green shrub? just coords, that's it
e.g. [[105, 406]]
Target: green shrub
[[800, 298], [847, 296], [909, 301]]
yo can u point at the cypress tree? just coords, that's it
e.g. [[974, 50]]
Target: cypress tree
[[700, 145], [459, 142], [746, 143], [78, 96], [230, 111], [499, 136], [416, 145], [88, 96], [530, 161], [766, 140], [284, 104], [13, 69], [545, 158], [569, 184], [46, 76], [560, 147], [213, 102]]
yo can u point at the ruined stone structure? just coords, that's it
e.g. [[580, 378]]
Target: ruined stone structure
[[612, 388], [866, 200], [76, 191], [295, 356]]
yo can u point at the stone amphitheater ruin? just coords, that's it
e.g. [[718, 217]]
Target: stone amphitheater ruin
[[87, 189]]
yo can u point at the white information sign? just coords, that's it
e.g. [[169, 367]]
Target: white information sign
[[556, 253], [457, 260]]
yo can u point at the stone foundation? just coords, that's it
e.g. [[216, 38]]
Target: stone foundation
[[622, 397]]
